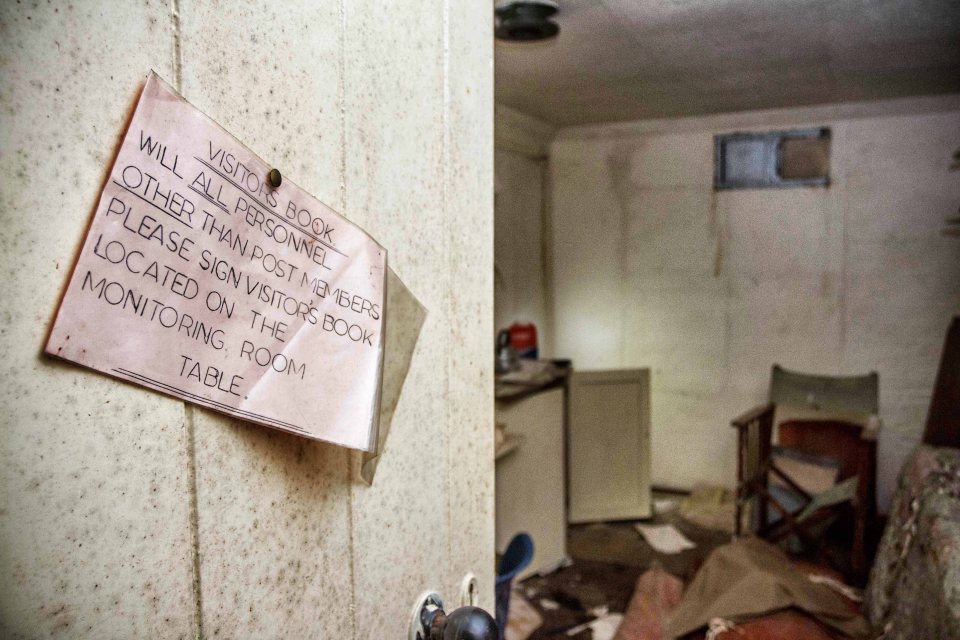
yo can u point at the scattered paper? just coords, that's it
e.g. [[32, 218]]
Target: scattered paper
[[665, 538], [549, 605], [718, 626], [555, 566], [603, 628], [201, 279], [663, 505], [522, 620], [606, 627]]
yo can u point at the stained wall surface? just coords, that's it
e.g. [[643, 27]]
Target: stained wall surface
[[651, 267], [124, 513], [521, 204]]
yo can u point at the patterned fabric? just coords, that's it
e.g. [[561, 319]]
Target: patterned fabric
[[914, 588]]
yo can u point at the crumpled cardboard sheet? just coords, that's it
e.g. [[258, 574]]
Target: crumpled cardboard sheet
[[200, 279], [749, 578]]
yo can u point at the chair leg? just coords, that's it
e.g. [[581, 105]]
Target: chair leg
[[858, 554]]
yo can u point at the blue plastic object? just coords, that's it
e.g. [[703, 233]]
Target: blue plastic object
[[515, 559]]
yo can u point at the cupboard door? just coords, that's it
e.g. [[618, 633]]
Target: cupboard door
[[609, 445], [529, 490]]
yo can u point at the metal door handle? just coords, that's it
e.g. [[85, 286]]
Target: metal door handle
[[431, 622]]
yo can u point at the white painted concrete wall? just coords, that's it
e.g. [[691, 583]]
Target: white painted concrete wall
[[652, 268], [520, 267], [124, 513]]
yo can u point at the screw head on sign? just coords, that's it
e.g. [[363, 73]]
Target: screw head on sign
[[275, 178]]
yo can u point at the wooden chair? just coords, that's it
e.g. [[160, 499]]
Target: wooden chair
[[829, 420]]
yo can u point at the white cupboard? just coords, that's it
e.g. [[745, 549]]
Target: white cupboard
[[530, 494], [609, 445]]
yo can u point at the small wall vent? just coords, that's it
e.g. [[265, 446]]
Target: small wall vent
[[799, 158]]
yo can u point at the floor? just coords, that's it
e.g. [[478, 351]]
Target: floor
[[607, 560]]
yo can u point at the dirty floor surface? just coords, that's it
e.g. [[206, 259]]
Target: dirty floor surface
[[607, 560]]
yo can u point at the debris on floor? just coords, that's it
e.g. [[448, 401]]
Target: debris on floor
[[619, 586], [603, 628], [619, 543], [608, 560], [749, 578], [665, 538], [575, 596], [523, 618], [656, 594], [664, 505], [710, 507], [549, 605]]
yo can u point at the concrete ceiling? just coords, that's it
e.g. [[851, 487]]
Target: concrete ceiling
[[635, 59]]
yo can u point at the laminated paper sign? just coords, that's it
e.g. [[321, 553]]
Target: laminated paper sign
[[200, 280]]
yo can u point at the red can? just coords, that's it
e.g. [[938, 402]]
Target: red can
[[523, 338]]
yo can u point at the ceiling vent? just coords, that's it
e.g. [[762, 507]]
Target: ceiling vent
[[526, 20]]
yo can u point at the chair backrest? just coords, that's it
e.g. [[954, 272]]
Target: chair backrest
[[839, 441], [849, 394]]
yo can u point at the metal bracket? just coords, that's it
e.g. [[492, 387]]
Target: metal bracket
[[468, 591], [426, 603]]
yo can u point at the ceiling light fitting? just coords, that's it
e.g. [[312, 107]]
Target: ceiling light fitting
[[526, 20]]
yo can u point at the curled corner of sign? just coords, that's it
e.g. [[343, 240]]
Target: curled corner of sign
[[403, 319], [368, 467]]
